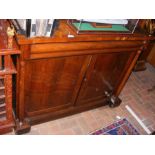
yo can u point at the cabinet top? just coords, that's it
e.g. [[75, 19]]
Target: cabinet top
[[64, 33]]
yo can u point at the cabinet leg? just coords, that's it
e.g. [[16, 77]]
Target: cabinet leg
[[22, 127], [114, 101]]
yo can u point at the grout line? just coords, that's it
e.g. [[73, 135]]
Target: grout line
[[138, 119]]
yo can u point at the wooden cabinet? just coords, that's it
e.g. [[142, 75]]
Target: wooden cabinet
[[60, 76]]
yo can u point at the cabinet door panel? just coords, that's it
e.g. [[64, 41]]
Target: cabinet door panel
[[104, 73], [51, 83]]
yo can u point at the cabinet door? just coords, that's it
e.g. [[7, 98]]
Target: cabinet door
[[103, 75], [51, 84]]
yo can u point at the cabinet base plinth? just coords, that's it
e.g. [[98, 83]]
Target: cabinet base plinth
[[114, 101], [22, 127]]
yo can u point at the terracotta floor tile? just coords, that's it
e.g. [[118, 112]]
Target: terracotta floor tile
[[33, 132], [67, 132], [77, 130]]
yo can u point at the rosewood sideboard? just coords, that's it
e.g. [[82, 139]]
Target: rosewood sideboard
[[70, 73]]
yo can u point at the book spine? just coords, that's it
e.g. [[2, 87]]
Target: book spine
[[28, 27], [33, 28], [49, 27]]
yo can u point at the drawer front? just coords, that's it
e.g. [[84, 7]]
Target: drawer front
[[79, 48], [41, 48]]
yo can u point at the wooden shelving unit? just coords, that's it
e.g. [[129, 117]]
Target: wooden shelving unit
[[7, 69]]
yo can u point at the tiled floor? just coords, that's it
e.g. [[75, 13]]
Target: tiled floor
[[137, 93]]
